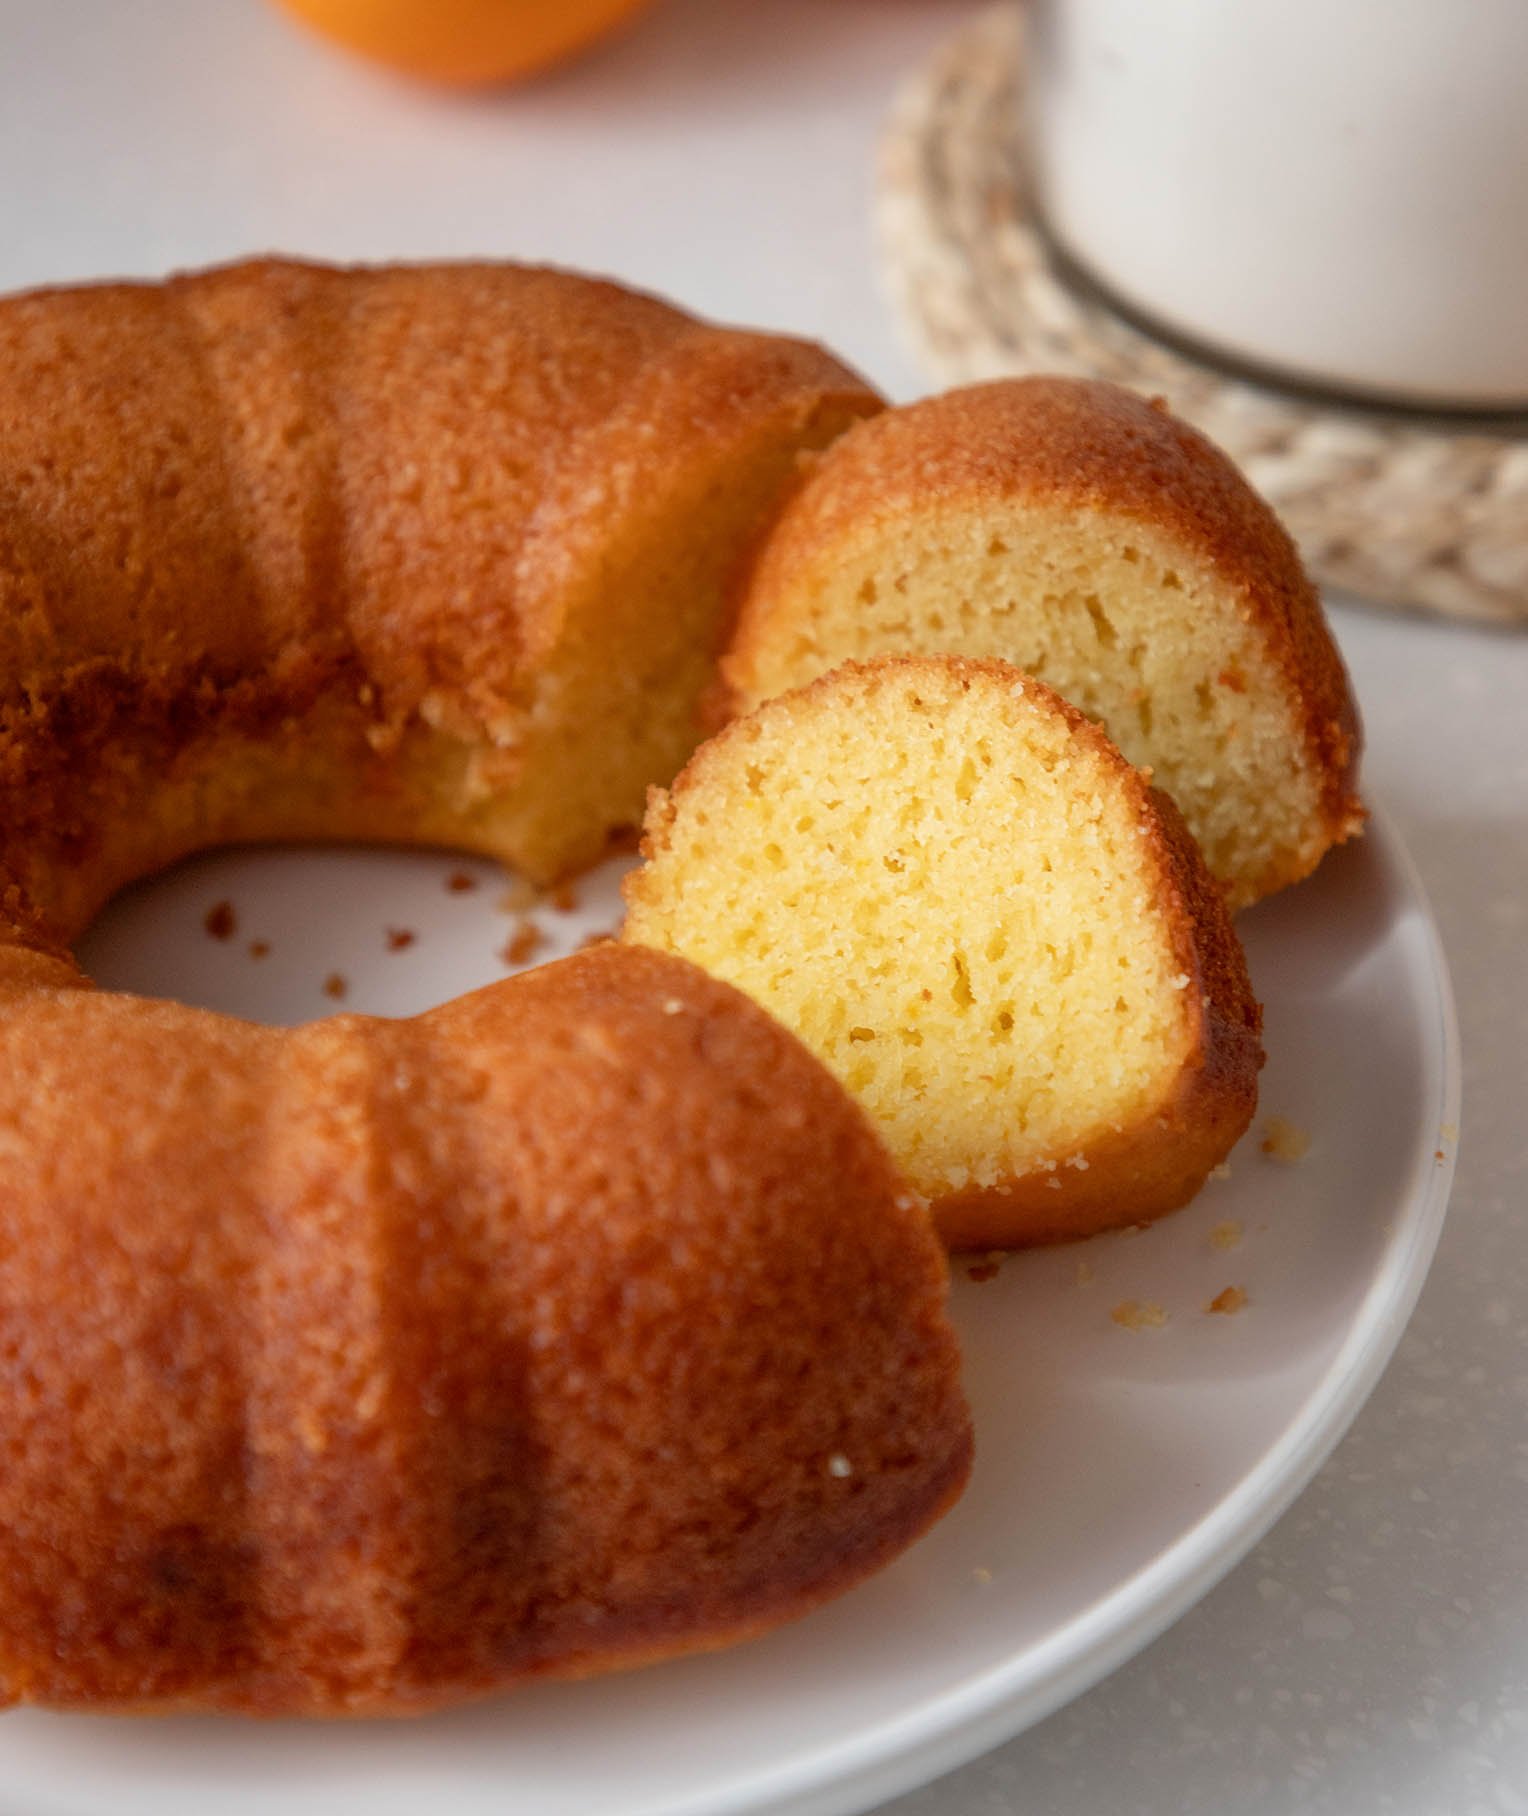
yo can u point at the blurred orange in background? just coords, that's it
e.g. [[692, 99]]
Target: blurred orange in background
[[469, 43]]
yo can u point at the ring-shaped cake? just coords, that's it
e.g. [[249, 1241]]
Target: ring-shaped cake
[[364, 1366]]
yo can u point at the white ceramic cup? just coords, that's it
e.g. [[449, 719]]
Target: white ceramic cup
[[1336, 190]]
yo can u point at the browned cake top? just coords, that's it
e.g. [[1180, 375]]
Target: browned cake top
[[367, 1366], [370, 508], [275, 461], [1084, 444]]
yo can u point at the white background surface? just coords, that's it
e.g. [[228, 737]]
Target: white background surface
[[1373, 1655]]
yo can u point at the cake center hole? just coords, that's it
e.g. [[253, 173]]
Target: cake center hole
[[288, 934]]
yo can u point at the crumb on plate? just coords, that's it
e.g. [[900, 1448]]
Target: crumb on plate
[[1284, 1141], [523, 944], [1228, 1300], [1139, 1314], [521, 896], [221, 922]]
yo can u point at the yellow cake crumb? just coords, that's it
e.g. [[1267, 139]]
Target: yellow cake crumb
[[1139, 1314], [523, 944], [1228, 1300], [1227, 1234], [1008, 994], [1284, 1141], [520, 897]]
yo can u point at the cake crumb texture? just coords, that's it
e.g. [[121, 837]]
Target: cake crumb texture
[[967, 903], [1086, 535]]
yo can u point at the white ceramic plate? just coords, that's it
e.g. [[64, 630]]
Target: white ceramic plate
[[1119, 1473]]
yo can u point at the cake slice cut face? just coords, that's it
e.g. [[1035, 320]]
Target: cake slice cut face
[[1085, 535], [961, 896]]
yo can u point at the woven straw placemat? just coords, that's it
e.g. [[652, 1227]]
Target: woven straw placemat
[[1399, 508]]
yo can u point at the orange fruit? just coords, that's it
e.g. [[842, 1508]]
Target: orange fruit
[[465, 42]]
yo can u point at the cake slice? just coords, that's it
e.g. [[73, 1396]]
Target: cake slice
[[990, 926], [1086, 535]]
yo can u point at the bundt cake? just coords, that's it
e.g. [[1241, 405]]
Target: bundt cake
[[961, 896], [1097, 542], [361, 1367], [434, 553], [366, 1366]]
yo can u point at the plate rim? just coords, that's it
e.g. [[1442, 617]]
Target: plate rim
[[902, 1753], [978, 1709]]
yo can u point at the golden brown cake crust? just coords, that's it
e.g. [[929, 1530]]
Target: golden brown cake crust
[[352, 453], [1077, 444], [231, 497], [576, 1323]]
